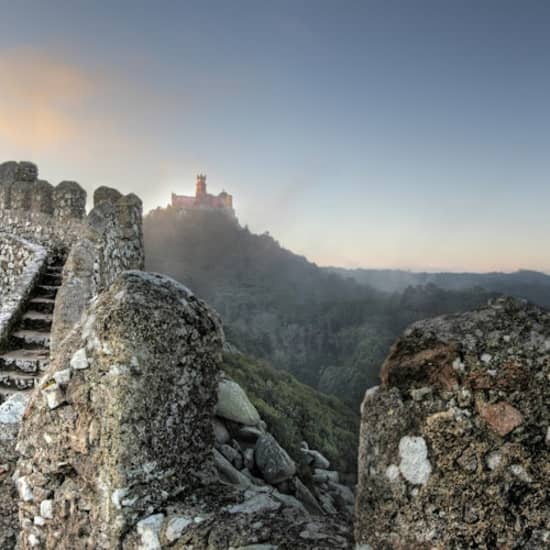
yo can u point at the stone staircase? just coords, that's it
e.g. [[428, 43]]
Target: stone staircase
[[28, 349]]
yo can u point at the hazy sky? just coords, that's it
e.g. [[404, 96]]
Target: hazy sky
[[385, 133]]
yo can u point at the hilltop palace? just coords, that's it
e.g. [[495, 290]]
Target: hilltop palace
[[203, 200]]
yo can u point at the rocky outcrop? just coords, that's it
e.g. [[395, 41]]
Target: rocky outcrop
[[454, 446], [247, 455], [273, 461]]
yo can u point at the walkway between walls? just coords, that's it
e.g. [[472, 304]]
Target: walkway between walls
[[27, 352]]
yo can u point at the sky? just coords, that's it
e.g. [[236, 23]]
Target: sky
[[372, 133]]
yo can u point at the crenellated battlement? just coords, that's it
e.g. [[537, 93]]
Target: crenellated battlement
[[20, 189], [55, 216]]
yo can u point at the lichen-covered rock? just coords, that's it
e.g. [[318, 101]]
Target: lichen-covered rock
[[134, 428], [272, 460], [452, 448]]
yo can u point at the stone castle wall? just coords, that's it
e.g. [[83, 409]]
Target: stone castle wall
[[37, 222]]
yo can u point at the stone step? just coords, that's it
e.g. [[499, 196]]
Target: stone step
[[25, 360], [44, 305], [46, 291], [36, 320], [30, 339], [51, 279], [16, 380]]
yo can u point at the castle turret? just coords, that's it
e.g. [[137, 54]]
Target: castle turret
[[201, 186]]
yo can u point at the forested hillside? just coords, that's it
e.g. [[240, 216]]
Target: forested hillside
[[329, 331]]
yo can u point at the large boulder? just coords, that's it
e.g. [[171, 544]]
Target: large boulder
[[316, 459], [272, 460], [233, 404], [454, 451]]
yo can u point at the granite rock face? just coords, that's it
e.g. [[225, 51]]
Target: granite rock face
[[453, 449]]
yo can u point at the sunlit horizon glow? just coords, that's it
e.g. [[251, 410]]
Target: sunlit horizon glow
[[385, 135]]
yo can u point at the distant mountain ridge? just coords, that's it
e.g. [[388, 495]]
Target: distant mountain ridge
[[531, 285]]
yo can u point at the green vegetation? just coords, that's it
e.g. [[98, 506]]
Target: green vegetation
[[295, 412]]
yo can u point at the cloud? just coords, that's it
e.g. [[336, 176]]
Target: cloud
[[41, 98]]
